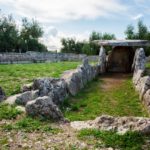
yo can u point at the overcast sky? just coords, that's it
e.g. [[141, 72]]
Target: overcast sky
[[78, 18]]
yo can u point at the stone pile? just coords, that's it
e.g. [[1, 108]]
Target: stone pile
[[117, 124], [44, 96], [141, 82]]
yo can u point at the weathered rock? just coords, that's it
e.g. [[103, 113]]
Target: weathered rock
[[73, 81], [143, 85], [2, 95], [45, 108], [54, 88], [137, 76], [11, 99], [27, 87], [118, 124], [139, 60], [78, 78], [102, 60], [26, 96], [146, 99]]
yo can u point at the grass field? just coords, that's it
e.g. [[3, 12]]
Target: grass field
[[14, 75], [118, 100], [103, 139], [111, 95]]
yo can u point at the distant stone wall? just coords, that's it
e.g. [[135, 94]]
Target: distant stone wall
[[37, 57]]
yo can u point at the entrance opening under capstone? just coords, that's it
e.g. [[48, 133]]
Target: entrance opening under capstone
[[120, 59]]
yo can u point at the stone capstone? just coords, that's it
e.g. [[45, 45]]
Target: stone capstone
[[26, 96], [52, 87], [118, 124], [44, 107], [2, 95]]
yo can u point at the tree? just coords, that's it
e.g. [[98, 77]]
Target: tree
[[86, 49], [142, 33], [99, 36], [8, 34], [130, 32], [95, 36], [30, 33], [70, 46]]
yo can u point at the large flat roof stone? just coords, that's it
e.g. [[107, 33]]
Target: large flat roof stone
[[123, 42]]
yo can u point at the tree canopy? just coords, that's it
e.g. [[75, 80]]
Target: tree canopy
[[86, 47], [14, 40], [141, 32]]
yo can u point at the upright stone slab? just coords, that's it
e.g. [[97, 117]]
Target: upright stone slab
[[102, 60], [139, 60], [138, 65]]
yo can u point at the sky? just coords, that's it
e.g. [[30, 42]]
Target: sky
[[78, 18]]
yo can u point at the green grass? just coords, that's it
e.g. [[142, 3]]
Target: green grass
[[8, 112], [100, 139], [92, 101], [12, 76], [28, 124]]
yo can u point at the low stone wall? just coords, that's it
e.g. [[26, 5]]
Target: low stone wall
[[120, 125], [43, 97], [37, 57], [140, 81]]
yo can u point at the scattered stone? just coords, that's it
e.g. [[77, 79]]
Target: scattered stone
[[118, 124], [2, 95], [27, 87], [26, 96], [11, 100], [45, 108], [20, 108]]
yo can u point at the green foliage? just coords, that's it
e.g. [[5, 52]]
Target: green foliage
[[93, 101], [8, 34], [142, 33], [14, 75], [71, 46], [8, 112], [99, 36], [89, 48], [128, 141], [11, 40], [28, 124]]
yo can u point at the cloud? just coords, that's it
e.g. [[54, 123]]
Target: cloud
[[137, 17], [49, 12], [53, 41], [62, 10]]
